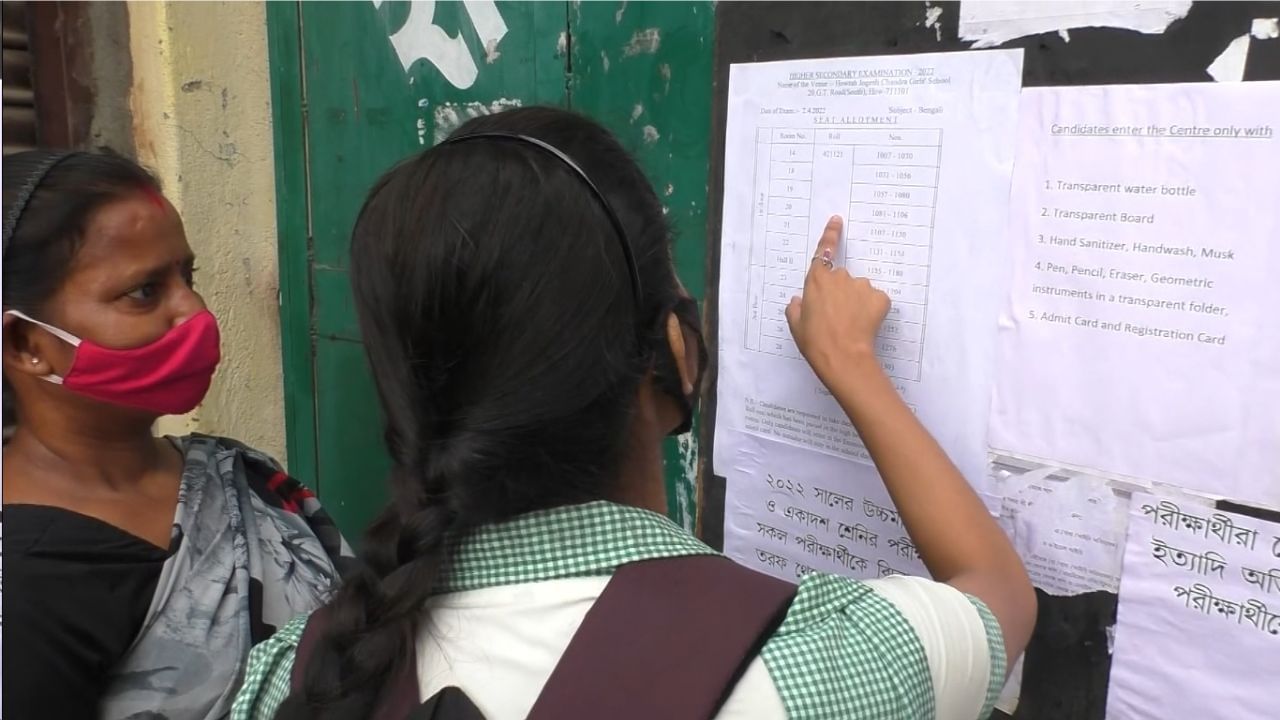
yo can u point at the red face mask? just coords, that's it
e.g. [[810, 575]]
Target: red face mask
[[169, 376]]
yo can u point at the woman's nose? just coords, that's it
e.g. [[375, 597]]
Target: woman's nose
[[187, 304]]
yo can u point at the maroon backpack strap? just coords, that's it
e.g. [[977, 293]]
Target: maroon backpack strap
[[311, 632], [668, 638], [399, 698]]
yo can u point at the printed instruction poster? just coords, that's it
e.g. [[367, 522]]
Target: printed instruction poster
[[1140, 338]]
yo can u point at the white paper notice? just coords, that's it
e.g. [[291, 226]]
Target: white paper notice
[[1141, 337], [1198, 633], [790, 512], [913, 151], [1069, 533]]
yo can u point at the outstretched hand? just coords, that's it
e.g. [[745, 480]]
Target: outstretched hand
[[837, 318]]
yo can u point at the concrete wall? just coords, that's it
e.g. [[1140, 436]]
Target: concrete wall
[[110, 67], [201, 108]]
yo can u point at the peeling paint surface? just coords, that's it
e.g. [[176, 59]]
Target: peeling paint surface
[[450, 116], [644, 69], [994, 22], [1265, 28], [420, 122], [686, 491], [645, 42], [491, 53]]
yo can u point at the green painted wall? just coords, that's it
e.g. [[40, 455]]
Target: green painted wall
[[346, 109]]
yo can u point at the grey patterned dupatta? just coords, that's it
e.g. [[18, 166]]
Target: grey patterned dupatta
[[251, 548]]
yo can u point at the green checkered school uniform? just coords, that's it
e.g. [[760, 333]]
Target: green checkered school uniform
[[842, 652]]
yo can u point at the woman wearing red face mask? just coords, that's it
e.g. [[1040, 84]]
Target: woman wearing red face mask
[[140, 569]]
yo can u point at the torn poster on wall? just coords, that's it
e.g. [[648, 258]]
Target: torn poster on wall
[[1069, 530], [994, 22]]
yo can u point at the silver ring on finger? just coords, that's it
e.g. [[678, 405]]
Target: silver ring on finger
[[826, 260]]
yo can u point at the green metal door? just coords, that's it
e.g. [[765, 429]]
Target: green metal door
[[356, 86]]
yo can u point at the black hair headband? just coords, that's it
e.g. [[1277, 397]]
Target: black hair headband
[[24, 195], [627, 254]]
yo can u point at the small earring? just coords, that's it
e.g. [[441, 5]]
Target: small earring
[[35, 361]]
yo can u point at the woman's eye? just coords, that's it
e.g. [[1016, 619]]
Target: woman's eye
[[143, 293]]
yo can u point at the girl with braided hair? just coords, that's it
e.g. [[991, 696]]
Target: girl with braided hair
[[139, 570], [532, 346]]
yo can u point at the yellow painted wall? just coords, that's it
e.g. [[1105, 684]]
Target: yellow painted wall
[[201, 106]]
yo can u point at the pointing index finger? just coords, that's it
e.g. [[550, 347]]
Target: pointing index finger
[[829, 245]]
